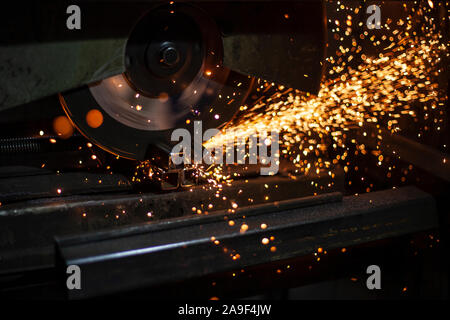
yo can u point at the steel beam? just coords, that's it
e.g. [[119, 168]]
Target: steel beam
[[147, 255]]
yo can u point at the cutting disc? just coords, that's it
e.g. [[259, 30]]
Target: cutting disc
[[174, 76]]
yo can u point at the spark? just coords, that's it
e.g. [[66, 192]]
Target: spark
[[378, 91], [314, 130]]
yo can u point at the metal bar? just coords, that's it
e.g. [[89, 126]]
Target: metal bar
[[144, 256], [29, 227], [51, 185]]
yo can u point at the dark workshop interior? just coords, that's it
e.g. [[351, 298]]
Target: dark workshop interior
[[224, 150]]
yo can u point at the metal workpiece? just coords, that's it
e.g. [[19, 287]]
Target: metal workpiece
[[138, 256], [51, 185], [32, 225]]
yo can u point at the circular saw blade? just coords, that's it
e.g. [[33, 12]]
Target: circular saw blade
[[173, 77], [133, 109], [131, 122]]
